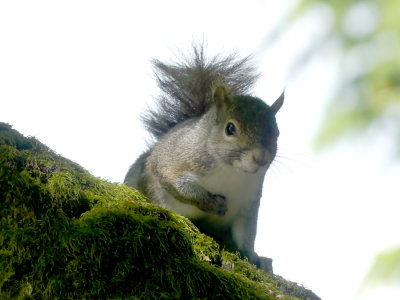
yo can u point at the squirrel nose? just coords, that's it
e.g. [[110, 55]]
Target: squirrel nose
[[260, 157]]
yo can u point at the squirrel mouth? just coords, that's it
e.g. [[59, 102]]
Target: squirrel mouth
[[247, 167]]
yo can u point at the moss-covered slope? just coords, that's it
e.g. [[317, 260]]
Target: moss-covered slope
[[65, 234]]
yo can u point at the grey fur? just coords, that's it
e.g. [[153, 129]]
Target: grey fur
[[186, 86]]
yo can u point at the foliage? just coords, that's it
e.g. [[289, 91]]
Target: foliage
[[367, 33], [385, 270], [65, 234]]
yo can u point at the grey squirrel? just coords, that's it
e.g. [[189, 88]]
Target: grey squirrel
[[214, 145]]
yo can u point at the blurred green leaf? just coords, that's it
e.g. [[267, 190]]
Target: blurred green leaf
[[350, 121], [385, 270]]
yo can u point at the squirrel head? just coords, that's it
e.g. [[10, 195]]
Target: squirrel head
[[245, 133]]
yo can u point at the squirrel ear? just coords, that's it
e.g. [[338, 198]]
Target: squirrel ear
[[220, 95], [278, 103]]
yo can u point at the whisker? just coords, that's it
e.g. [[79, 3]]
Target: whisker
[[277, 163], [275, 171]]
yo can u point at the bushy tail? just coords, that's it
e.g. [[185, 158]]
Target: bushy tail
[[186, 86]]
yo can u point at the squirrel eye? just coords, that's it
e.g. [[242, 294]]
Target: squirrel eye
[[230, 129]]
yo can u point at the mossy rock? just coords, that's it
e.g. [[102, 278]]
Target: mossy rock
[[65, 234]]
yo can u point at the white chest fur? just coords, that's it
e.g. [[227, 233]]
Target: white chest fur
[[240, 189]]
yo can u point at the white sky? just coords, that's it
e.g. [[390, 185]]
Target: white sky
[[76, 75]]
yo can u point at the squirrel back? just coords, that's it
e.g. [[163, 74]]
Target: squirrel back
[[214, 145]]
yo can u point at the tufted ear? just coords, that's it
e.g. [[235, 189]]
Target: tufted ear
[[278, 103], [220, 95]]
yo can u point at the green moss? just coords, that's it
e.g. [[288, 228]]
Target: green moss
[[65, 234]]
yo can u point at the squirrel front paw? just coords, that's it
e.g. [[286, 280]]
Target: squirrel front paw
[[219, 202], [213, 203]]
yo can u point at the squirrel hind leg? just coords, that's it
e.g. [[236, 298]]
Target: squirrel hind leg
[[135, 173], [263, 263]]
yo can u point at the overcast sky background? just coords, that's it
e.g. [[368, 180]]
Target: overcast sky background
[[76, 75]]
